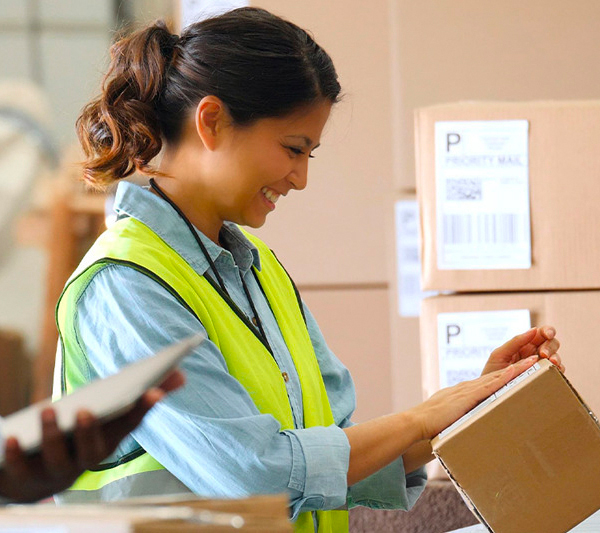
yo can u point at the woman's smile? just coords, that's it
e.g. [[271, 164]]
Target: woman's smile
[[270, 197]]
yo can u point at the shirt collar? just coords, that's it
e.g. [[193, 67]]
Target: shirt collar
[[139, 203], [243, 251]]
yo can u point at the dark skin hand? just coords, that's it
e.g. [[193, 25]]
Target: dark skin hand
[[30, 478]]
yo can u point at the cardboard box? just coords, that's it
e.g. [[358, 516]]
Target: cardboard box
[[351, 333], [15, 373], [564, 193], [527, 460], [574, 314], [150, 515]]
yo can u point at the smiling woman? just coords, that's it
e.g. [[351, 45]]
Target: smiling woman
[[236, 106], [220, 172]]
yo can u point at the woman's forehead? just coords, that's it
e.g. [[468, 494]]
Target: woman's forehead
[[304, 125]]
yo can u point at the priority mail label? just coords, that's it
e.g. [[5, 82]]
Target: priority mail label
[[466, 340], [482, 194]]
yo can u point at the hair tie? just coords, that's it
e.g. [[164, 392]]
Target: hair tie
[[169, 48]]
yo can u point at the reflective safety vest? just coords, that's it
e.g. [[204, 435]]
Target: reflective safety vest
[[131, 243]]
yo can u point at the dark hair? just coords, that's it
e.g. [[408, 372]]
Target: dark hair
[[258, 64]]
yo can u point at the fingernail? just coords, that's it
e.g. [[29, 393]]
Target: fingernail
[[532, 358]]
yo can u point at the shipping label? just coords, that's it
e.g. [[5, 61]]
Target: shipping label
[[482, 195], [408, 258], [466, 340]]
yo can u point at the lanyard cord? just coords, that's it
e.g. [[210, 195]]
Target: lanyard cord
[[163, 195], [256, 321]]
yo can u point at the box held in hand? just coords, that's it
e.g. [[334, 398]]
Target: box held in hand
[[527, 459]]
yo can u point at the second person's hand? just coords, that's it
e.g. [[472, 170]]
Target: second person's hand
[[28, 478]]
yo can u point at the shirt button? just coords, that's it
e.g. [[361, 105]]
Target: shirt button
[[254, 321], [285, 376]]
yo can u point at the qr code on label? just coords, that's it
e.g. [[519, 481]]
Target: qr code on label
[[463, 189]]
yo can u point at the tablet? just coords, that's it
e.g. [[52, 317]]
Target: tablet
[[105, 398]]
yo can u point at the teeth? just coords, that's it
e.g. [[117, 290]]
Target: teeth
[[271, 195]]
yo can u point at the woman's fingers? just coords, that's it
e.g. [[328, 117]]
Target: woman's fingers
[[518, 342], [555, 359], [543, 343], [543, 334], [501, 377], [549, 348]]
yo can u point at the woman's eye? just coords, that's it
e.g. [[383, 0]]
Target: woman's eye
[[298, 151]]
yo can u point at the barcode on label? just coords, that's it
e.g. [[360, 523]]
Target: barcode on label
[[485, 228]]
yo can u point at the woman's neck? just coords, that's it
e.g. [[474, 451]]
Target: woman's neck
[[185, 190]]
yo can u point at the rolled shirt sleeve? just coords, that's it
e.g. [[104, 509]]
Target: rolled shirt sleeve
[[323, 470], [389, 487]]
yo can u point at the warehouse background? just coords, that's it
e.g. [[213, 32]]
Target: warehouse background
[[338, 237]]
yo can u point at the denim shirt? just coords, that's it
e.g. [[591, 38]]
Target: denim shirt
[[209, 433]]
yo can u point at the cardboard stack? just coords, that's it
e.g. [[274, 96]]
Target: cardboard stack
[[508, 195], [152, 515]]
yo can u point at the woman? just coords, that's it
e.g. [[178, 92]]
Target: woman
[[236, 106]]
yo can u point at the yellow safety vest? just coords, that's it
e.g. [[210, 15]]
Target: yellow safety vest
[[132, 243]]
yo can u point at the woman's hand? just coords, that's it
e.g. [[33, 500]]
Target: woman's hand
[[25, 478], [448, 405], [537, 341]]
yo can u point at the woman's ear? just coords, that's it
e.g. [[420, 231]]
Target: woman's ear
[[211, 119]]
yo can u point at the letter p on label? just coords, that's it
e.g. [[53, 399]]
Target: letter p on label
[[451, 140], [452, 330]]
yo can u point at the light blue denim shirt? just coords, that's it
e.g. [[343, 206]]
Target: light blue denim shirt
[[209, 433]]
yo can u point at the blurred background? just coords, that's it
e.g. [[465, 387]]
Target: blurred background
[[341, 239]]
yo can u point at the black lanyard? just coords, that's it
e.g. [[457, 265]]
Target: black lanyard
[[255, 321]]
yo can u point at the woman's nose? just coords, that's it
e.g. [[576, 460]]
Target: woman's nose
[[299, 176]]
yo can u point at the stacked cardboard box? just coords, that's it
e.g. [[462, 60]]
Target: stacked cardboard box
[[508, 195], [153, 515], [573, 313], [562, 193]]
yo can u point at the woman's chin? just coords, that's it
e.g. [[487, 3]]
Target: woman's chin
[[254, 222]]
